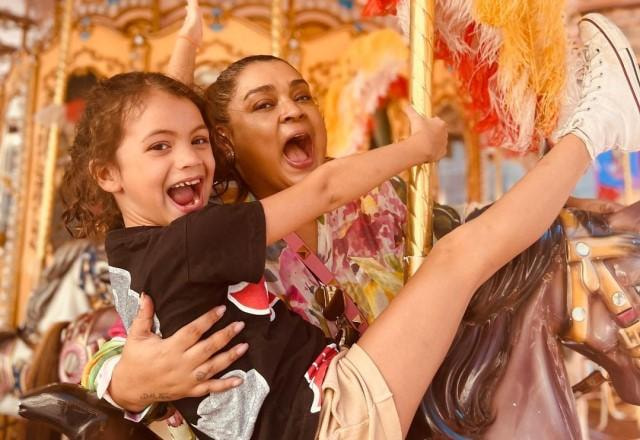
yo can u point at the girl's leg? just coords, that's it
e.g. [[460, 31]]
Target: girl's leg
[[410, 339]]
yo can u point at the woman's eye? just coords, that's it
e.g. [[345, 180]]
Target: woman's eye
[[263, 105], [160, 146], [304, 98]]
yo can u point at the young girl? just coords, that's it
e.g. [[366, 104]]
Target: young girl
[[373, 389], [144, 139]]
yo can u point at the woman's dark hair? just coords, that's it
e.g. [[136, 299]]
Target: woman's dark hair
[[90, 211], [218, 95]]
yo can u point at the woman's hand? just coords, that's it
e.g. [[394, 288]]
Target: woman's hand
[[430, 133], [153, 369], [192, 27]]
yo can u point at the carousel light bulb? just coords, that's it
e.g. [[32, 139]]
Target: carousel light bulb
[[583, 249], [578, 314], [619, 299]]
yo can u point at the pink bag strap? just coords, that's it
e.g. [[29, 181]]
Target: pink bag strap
[[309, 258], [322, 273]]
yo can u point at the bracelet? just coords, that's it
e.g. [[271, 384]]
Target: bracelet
[[108, 350], [190, 40]]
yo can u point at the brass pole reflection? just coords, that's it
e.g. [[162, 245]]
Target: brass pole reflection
[[420, 202], [48, 187]]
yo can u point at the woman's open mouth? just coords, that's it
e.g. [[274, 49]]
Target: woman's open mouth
[[298, 150], [187, 195]]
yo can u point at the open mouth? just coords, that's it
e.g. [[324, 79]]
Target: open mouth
[[298, 150], [187, 194]]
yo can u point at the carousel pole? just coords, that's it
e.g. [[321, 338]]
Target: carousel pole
[[276, 28], [48, 186], [26, 173], [419, 199], [498, 176], [628, 178], [474, 165]]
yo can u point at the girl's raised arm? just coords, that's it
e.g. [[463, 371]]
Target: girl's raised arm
[[340, 181], [183, 58]]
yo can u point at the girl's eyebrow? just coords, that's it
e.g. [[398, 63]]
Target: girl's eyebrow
[[173, 133]]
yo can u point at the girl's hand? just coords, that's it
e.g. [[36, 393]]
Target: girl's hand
[[430, 135], [192, 27], [153, 369]]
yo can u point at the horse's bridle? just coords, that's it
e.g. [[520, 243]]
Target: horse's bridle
[[587, 274]]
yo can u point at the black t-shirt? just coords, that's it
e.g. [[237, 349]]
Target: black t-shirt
[[207, 258]]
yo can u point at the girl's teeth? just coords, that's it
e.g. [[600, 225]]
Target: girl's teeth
[[191, 182]]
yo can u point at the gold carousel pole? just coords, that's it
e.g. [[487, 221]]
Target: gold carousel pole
[[48, 187], [276, 28], [474, 165], [498, 176], [419, 200], [22, 202], [628, 178]]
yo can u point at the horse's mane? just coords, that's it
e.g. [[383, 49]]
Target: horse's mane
[[462, 391]]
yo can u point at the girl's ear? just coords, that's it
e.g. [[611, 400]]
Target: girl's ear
[[107, 176]]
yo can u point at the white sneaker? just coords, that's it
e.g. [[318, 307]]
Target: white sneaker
[[608, 114]]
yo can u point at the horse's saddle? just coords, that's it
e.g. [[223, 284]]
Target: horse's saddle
[[80, 415]]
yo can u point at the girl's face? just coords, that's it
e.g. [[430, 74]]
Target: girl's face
[[276, 128], [164, 165]]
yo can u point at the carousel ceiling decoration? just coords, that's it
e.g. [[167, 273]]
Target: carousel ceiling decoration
[[22, 27], [31, 24]]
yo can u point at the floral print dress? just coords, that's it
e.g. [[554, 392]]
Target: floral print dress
[[362, 244]]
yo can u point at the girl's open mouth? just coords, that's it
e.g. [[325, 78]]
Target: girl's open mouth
[[298, 150], [187, 195]]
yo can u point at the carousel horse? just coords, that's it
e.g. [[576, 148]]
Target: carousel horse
[[79, 270], [577, 287], [74, 283], [504, 376]]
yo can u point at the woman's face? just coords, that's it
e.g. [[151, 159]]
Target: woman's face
[[276, 128]]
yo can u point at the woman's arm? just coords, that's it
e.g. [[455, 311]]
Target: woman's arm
[[183, 58], [153, 369], [339, 181]]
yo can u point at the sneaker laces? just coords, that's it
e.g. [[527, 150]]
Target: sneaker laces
[[591, 79]]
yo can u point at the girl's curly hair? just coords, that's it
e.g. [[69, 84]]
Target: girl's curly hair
[[91, 212]]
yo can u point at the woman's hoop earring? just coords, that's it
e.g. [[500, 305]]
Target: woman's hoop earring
[[230, 154]]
